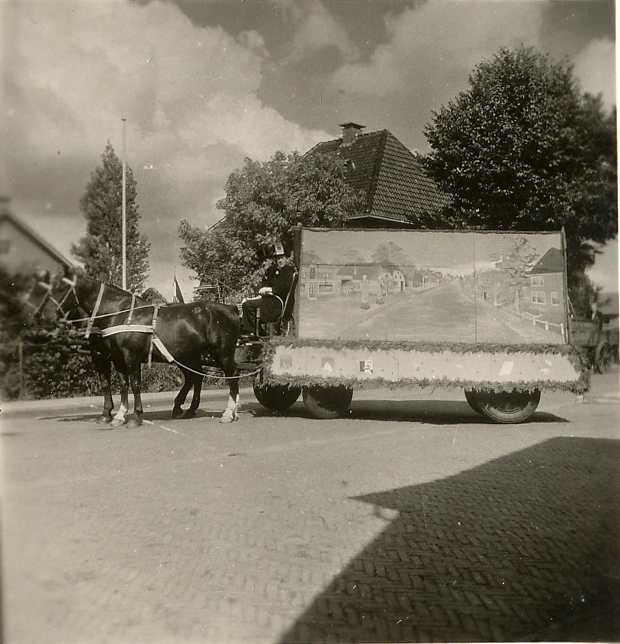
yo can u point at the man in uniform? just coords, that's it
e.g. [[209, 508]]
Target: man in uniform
[[272, 294]]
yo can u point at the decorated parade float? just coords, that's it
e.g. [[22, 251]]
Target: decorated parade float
[[483, 311]]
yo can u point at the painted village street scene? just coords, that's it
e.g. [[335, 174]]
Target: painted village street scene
[[432, 287]]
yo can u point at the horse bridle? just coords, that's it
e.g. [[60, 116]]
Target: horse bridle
[[60, 303], [46, 297]]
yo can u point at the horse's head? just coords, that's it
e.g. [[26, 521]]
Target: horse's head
[[63, 295], [37, 301]]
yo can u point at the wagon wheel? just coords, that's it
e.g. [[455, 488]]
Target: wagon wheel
[[505, 406], [470, 396], [276, 397], [327, 402], [603, 357]]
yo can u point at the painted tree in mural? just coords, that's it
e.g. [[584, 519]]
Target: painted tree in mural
[[516, 261], [524, 149], [100, 250], [264, 203]]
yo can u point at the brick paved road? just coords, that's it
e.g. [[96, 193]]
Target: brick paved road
[[408, 521]]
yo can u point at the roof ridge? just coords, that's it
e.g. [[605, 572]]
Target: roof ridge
[[38, 239]]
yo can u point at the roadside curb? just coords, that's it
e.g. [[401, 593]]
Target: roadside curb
[[613, 398], [164, 398]]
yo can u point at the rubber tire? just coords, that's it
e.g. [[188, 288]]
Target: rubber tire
[[327, 402], [603, 358], [276, 397], [507, 406], [470, 396]]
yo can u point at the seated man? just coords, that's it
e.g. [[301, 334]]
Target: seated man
[[271, 296]]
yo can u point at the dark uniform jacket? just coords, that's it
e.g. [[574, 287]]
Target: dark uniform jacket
[[280, 280]]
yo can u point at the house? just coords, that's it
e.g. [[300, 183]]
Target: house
[[543, 297], [397, 191], [22, 250], [154, 296]]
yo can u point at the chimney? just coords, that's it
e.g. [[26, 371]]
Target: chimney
[[350, 132]]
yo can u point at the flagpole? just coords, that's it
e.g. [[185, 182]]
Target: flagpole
[[124, 208]]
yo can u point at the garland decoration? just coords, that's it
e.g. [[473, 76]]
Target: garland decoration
[[575, 355]]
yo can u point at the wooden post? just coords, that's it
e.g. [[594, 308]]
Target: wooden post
[[20, 350]]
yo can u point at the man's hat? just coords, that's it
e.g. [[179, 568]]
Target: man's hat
[[278, 249]]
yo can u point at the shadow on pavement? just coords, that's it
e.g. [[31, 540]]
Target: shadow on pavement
[[153, 416], [522, 548], [435, 412], [438, 412]]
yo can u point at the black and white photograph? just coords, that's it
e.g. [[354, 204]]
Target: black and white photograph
[[309, 322]]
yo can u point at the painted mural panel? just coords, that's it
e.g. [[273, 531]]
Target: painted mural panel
[[427, 286]]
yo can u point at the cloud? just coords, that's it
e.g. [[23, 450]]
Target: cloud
[[188, 94], [315, 31], [432, 48], [595, 66]]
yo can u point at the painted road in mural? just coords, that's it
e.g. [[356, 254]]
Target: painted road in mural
[[442, 313]]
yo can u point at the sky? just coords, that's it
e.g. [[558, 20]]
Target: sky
[[202, 85]]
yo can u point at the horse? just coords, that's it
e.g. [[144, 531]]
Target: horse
[[128, 331]]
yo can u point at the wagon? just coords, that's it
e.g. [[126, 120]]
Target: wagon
[[482, 311], [598, 341]]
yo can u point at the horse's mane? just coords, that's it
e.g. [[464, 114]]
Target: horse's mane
[[117, 290]]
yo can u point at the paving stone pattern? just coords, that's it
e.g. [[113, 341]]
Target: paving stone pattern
[[286, 529]]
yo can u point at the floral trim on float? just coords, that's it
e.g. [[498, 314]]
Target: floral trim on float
[[394, 365]]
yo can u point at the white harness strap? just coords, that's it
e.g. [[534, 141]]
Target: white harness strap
[[142, 328], [133, 303], [160, 345], [153, 338], [127, 328], [91, 319]]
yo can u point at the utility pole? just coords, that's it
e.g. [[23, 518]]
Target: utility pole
[[124, 209]]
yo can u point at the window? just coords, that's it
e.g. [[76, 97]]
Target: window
[[313, 272], [538, 281], [555, 298], [539, 297]]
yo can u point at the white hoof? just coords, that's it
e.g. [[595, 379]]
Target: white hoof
[[228, 417]]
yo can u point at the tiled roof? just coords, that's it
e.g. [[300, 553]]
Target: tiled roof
[[392, 178]]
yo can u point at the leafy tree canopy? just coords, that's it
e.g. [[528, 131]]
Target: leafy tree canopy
[[264, 203], [100, 250], [523, 149]]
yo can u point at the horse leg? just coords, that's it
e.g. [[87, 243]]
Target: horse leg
[[119, 417], [177, 410], [230, 413], [197, 384], [103, 365], [135, 381]]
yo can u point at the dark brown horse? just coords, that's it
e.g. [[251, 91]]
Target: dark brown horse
[[128, 331]]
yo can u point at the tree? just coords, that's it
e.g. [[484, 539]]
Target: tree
[[100, 250], [516, 260], [523, 149], [264, 203]]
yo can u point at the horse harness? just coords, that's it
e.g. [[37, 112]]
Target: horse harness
[[128, 327]]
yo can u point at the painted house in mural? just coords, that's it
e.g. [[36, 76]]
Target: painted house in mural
[[543, 298], [493, 286], [22, 250], [540, 299], [381, 279]]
